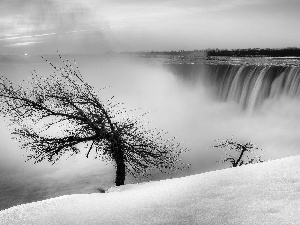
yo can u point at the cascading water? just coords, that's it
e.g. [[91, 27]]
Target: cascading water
[[248, 85]]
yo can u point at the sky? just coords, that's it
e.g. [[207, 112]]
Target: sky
[[97, 26]]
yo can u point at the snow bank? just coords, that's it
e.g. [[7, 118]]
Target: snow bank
[[265, 193]]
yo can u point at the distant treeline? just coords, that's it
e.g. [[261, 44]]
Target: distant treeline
[[269, 52], [266, 52]]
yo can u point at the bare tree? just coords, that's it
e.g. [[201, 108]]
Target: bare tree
[[63, 102], [242, 151]]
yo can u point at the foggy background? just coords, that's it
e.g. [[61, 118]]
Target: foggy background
[[185, 108]]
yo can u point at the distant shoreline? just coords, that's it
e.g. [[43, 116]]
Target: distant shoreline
[[253, 60], [165, 58]]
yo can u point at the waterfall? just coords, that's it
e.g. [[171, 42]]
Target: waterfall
[[248, 85]]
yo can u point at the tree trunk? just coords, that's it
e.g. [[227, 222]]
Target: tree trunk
[[241, 155], [121, 169]]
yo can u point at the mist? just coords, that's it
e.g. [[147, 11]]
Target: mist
[[186, 108]]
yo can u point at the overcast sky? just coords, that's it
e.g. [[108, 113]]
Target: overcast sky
[[92, 26]]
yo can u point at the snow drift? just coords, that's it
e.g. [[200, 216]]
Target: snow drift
[[264, 193]]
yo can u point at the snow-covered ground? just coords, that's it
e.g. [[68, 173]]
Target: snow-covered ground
[[265, 193]]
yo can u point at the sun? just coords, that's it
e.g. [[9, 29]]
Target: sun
[[25, 54]]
